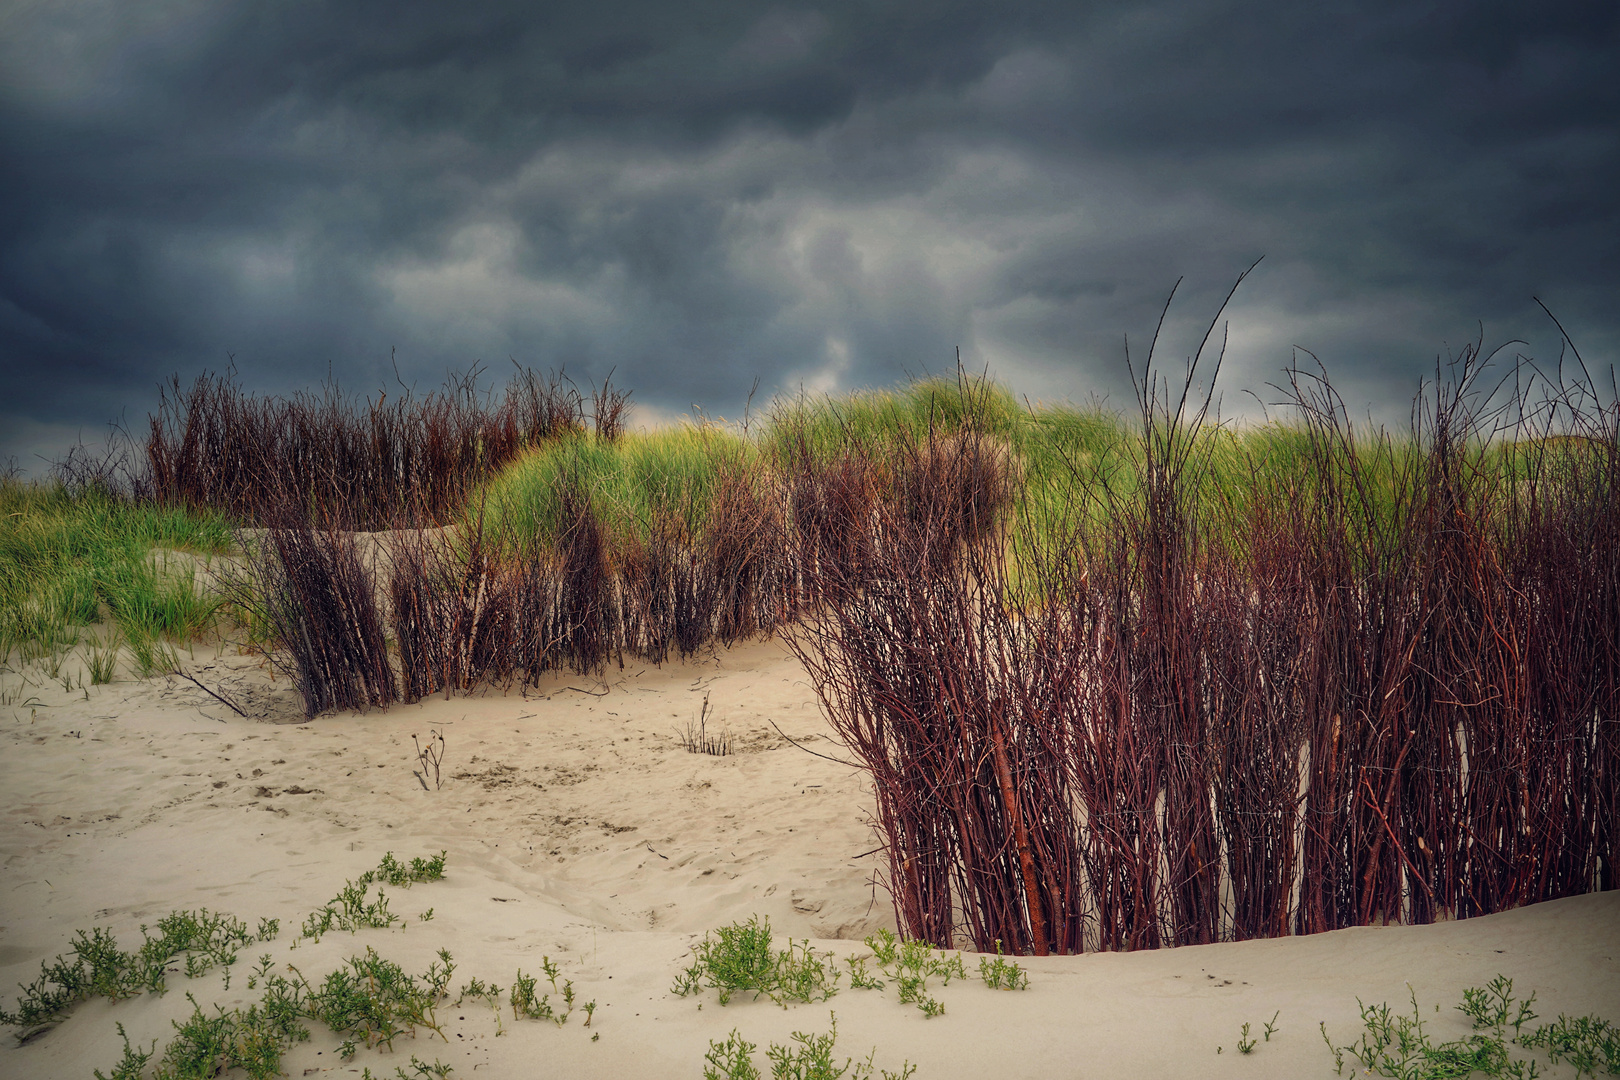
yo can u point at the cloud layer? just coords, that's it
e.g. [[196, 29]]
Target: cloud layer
[[701, 195]]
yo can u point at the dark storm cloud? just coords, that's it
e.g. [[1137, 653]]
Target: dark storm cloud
[[828, 196]]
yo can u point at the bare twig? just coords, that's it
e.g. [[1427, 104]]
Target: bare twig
[[222, 699]]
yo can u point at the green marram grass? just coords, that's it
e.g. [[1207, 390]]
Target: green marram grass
[[72, 559], [630, 481], [1074, 468]]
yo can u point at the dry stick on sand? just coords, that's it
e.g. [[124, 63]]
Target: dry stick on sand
[[223, 700], [430, 756]]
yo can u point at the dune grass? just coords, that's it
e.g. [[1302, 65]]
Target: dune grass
[[632, 482], [1068, 464], [73, 559]]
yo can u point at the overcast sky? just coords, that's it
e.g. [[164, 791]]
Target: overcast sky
[[831, 196]]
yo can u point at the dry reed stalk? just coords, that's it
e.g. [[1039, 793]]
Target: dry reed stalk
[[358, 465], [320, 601]]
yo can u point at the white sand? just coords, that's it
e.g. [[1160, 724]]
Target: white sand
[[577, 827]]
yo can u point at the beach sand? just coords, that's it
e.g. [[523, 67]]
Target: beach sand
[[578, 828]]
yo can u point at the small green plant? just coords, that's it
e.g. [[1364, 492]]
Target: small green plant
[[132, 1066], [260, 971], [859, 977], [809, 1057], [420, 1070], [102, 660], [1002, 974], [741, 958], [912, 962], [349, 910], [730, 1060], [1492, 1007], [529, 1004], [1397, 1046], [477, 988], [914, 991], [99, 968], [375, 1001], [1245, 1044], [1586, 1042], [153, 656]]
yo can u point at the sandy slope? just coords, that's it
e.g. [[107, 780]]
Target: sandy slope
[[578, 828]]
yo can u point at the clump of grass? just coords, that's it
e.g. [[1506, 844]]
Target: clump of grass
[[1398, 1045], [912, 962], [1001, 973], [132, 1065], [741, 958], [528, 1003], [70, 556], [350, 910], [633, 481], [101, 660], [374, 1000], [252, 1039], [98, 967], [808, 1057]]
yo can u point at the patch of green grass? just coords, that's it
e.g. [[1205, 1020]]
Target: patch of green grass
[[350, 910], [252, 1040], [822, 427], [101, 659], [911, 963], [1001, 973], [370, 1001], [68, 559], [808, 1057], [1398, 1045], [741, 957], [132, 1066], [374, 1000], [631, 482], [97, 967]]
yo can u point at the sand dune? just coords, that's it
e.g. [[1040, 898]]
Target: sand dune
[[577, 827]]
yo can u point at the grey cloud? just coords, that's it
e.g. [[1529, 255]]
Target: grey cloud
[[831, 195]]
